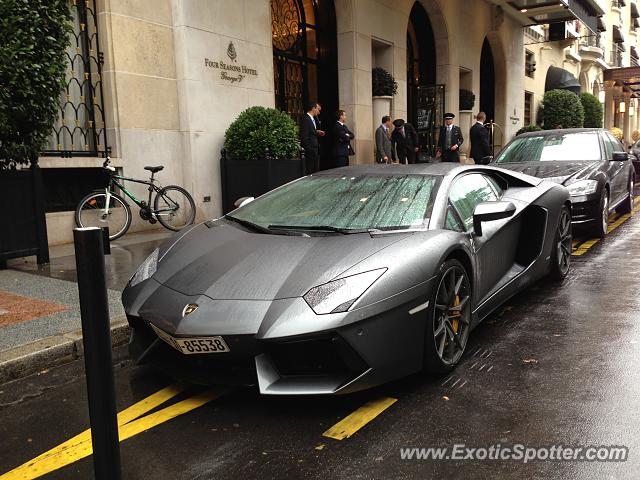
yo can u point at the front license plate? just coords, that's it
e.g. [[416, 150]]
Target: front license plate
[[194, 345]]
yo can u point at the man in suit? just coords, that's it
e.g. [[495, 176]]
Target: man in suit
[[309, 135], [384, 152], [342, 137], [450, 140], [479, 137], [404, 140]]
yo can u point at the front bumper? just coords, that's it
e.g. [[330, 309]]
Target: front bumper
[[585, 209]]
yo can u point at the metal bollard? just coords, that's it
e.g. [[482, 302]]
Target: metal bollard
[[96, 338]]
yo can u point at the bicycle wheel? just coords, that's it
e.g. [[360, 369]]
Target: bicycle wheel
[[93, 211], [174, 208]]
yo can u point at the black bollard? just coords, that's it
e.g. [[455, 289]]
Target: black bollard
[[96, 338]]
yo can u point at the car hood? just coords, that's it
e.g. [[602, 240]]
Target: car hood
[[558, 172], [226, 262]]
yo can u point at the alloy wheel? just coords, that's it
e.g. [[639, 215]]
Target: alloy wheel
[[605, 213], [564, 242], [452, 315]]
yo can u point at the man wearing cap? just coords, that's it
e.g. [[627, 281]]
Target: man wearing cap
[[450, 140], [404, 141]]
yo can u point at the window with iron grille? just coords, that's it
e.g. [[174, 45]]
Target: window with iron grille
[[528, 107], [79, 129], [529, 64]]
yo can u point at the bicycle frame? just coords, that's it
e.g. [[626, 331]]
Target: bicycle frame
[[152, 188]]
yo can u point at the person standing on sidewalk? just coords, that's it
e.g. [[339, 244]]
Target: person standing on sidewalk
[[479, 138], [384, 152], [342, 137], [309, 137], [450, 140], [404, 140]]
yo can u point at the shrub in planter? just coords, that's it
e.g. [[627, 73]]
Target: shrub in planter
[[383, 83], [635, 135], [33, 38], [618, 133], [529, 128], [467, 99], [562, 109], [592, 110], [259, 128]]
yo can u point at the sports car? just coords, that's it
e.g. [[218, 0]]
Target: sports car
[[348, 278]]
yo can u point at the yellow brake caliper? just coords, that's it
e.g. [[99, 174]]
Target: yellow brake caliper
[[455, 322]]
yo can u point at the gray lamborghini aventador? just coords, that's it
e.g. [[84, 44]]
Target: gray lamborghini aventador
[[348, 278]]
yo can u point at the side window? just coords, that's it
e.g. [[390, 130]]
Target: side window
[[467, 192], [608, 146], [496, 186], [452, 222]]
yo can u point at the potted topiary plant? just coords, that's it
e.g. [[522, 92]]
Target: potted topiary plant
[[593, 111], [467, 99], [383, 87], [261, 152], [562, 109], [529, 128], [32, 71]]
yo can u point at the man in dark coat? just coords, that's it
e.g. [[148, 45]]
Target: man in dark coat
[[309, 134], [342, 137], [404, 141], [479, 137], [450, 140]]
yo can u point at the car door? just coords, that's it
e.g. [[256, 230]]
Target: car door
[[615, 170], [495, 249]]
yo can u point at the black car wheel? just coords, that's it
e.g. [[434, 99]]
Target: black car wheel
[[627, 205], [448, 319], [602, 220], [561, 255]]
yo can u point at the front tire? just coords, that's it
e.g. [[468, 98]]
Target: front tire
[[602, 222], [92, 212], [174, 208], [561, 255], [448, 318]]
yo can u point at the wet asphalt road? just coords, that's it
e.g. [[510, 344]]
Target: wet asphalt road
[[557, 365]]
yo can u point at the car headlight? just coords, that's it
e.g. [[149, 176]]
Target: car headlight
[[337, 296], [146, 269], [583, 187]]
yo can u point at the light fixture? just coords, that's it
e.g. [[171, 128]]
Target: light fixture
[[523, 10], [622, 108], [632, 110], [601, 96]]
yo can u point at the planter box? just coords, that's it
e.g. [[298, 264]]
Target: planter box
[[252, 178], [26, 232]]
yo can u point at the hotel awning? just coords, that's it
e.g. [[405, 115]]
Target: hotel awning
[[633, 52], [618, 37], [559, 78], [542, 12], [602, 27]]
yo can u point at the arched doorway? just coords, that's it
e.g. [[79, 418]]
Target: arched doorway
[[305, 57], [487, 82], [425, 99]]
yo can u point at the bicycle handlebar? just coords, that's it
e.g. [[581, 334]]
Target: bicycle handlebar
[[107, 166]]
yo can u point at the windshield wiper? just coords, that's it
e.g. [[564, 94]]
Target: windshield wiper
[[248, 224], [320, 228]]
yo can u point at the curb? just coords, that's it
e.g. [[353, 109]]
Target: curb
[[24, 360]]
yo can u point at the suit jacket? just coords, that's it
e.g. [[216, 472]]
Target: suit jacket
[[383, 146], [404, 143], [342, 137], [479, 137], [456, 138], [308, 134]]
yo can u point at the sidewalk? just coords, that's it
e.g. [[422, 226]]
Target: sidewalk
[[39, 309]]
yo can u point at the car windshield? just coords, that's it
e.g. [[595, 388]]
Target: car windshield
[[344, 203], [567, 147]]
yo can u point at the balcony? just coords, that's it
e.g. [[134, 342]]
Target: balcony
[[542, 12]]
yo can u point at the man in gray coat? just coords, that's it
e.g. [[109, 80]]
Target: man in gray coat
[[384, 153]]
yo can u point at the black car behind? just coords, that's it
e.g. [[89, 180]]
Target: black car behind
[[590, 162]]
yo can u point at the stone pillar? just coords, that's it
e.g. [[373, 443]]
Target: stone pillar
[[609, 105], [627, 120]]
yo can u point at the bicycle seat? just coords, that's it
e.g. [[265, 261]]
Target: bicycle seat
[[154, 169]]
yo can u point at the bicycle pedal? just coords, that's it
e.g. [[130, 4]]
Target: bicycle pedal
[[152, 221]]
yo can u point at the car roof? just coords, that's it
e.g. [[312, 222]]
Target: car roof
[[546, 133]]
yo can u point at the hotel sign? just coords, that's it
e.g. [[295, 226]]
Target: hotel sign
[[230, 70]]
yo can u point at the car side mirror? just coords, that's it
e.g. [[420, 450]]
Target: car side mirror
[[489, 211], [241, 202], [620, 156]]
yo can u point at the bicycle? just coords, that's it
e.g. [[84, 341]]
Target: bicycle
[[173, 206]]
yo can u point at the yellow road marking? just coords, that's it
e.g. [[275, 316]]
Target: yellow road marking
[[80, 446], [358, 419]]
